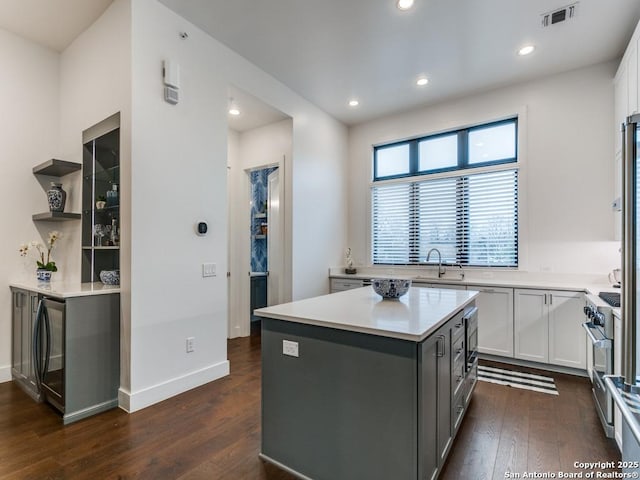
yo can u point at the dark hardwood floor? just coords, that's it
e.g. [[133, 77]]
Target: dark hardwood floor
[[213, 433]]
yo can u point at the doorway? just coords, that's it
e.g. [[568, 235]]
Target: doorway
[[266, 243], [259, 154]]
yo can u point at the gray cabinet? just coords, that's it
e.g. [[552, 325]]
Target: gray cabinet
[[346, 389], [436, 390], [83, 374], [24, 305], [428, 408]]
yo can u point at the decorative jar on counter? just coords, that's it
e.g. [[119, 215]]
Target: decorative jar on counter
[[57, 197]]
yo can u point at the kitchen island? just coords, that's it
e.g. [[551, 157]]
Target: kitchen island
[[354, 386]]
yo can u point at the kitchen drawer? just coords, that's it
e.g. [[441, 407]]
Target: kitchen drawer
[[459, 365], [457, 412], [342, 284], [457, 328], [470, 383]]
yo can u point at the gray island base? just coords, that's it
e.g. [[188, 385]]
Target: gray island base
[[356, 387]]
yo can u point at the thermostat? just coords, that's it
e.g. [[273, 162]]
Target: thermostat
[[201, 228]]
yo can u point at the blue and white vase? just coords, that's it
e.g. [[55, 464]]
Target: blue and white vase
[[57, 197], [43, 275]]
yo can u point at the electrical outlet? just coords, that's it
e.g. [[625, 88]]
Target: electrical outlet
[[290, 348], [190, 346], [208, 269]]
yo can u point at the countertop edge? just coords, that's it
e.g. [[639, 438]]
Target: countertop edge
[[67, 290], [369, 330]]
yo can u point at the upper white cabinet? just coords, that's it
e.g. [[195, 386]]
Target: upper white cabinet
[[620, 105], [626, 103], [548, 327], [495, 320]]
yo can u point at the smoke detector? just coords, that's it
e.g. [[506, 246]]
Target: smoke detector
[[560, 15]]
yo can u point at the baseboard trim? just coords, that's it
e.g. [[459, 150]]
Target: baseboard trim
[[281, 466], [132, 402], [68, 418], [539, 366], [5, 374]]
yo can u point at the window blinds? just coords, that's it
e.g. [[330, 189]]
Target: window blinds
[[471, 219]]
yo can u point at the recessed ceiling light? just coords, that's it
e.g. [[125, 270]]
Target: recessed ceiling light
[[234, 111], [354, 103], [526, 50], [422, 81], [404, 4]]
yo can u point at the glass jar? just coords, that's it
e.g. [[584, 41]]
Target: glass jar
[[112, 196]]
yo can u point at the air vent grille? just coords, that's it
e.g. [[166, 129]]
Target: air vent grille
[[560, 15]]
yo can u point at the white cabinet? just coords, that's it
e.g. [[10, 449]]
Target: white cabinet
[[495, 320], [531, 325], [620, 96], [567, 338], [548, 327], [449, 286], [341, 284], [632, 76]]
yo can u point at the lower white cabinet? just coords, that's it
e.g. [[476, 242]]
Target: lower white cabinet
[[495, 320], [341, 284], [548, 327]]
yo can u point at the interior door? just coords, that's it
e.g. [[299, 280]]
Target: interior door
[[274, 238]]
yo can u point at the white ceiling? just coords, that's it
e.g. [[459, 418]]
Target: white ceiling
[[254, 112], [330, 50], [52, 23]]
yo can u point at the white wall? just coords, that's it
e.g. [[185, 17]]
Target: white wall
[[28, 136], [179, 175], [266, 145], [95, 82], [567, 173]]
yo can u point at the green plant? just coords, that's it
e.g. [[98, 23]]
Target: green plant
[[101, 198], [44, 263]]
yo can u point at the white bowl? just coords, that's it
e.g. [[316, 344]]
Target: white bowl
[[390, 287]]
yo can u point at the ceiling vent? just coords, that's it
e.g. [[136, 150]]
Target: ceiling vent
[[560, 15]]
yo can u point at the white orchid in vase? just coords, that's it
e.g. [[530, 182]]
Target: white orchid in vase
[[42, 252]]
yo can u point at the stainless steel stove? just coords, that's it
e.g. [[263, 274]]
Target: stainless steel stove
[[599, 327]]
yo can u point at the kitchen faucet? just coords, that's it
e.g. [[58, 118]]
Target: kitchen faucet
[[440, 267]]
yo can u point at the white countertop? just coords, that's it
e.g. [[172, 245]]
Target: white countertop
[[66, 289], [413, 316]]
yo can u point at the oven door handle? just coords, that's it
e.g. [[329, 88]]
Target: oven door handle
[[602, 342]]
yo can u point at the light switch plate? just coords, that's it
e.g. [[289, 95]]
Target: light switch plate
[[208, 269], [290, 348]]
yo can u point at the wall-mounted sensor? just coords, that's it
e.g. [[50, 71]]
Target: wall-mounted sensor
[[202, 228], [171, 74]]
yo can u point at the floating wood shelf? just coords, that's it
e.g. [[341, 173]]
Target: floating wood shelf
[[56, 216], [56, 168]]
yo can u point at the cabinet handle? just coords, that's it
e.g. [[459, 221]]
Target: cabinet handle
[[17, 296], [440, 353], [488, 290], [545, 298], [551, 299]]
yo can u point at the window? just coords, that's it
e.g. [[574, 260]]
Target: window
[[457, 192]]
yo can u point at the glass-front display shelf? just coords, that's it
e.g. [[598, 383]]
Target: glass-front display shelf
[[101, 205]]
